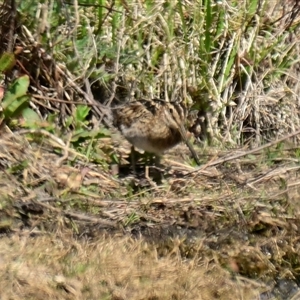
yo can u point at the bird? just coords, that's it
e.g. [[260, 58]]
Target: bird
[[154, 126]]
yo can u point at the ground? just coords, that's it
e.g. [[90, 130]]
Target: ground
[[228, 229]]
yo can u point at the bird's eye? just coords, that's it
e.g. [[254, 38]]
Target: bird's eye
[[171, 110]]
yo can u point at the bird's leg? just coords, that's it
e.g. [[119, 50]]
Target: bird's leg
[[133, 159], [157, 161], [152, 180]]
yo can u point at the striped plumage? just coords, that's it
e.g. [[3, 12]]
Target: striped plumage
[[154, 126]]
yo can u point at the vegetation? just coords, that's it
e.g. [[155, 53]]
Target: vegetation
[[74, 225]]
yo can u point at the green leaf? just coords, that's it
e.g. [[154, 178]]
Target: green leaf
[[253, 7], [209, 20], [16, 106], [82, 135], [82, 112], [7, 61], [16, 90], [31, 117], [15, 99]]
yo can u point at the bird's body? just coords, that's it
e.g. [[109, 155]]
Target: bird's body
[[153, 126], [145, 125]]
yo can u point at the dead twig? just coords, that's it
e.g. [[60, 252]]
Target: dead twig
[[57, 141], [77, 216], [233, 157], [90, 219]]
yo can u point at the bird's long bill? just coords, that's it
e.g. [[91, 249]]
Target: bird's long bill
[[188, 143]]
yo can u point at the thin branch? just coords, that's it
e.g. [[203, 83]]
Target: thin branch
[[233, 157]]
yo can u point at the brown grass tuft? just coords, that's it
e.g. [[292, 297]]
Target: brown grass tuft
[[53, 267]]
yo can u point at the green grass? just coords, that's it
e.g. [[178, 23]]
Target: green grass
[[232, 55]]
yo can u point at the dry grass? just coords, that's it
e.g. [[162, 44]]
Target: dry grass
[[73, 231], [56, 266]]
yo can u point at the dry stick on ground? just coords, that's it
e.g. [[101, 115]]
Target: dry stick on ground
[[57, 141], [271, 174], [226, 159], [81, 217], [86, 218], [66, 149]]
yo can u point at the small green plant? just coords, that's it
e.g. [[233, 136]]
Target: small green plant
[[274, 154], [297, 153], [7, 61], [15, 100], [18, 168], [131, 219]]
